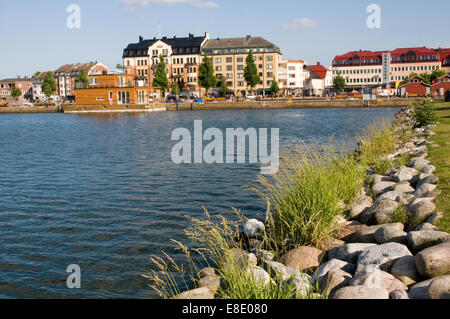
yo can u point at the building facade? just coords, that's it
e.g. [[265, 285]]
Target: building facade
[[319, 80], [362, 69], [25, 85], [292, 76], [113, 89], [182, 57], [66, 75], [228, 57]]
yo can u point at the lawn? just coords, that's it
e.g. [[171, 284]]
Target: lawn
[[440, 157]]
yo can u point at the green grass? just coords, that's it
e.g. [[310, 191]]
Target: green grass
[[440, 157]]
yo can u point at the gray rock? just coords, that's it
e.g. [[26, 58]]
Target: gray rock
[[367, 235], [405, 270], [210, 281], [392, 196], [234, 258], [433, 194], [398, 294], [278, 270], [439, 288], [404, 174], [375, 179], [199, 293], [335, 280], [434, 261], [374, 277], [254, 229], [419, 240], [420, 290], [419, 212], [383, 255], [424, 189], [348, 252], [426, 226], [252, 260], [443, 240], [429, 169], [379, 213], [382, 187], [359, 206], [418, 163], [264, 255], [361, 293], [259, 275], [391, 233], [429, 179], [403, 188], [303, 258], [332, 265]]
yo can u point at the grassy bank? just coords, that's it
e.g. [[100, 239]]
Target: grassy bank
[[440, 157]]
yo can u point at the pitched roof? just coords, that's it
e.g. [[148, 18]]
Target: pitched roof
[[175, 43], [238, 43], [76, 67], [317, 71]]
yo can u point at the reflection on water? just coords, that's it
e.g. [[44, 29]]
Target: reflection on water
[[100, 190]]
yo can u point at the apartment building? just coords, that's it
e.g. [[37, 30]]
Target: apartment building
[[182, 57], [362, 69], [25, 85], [66, 75], [113, 89], [228, 57]]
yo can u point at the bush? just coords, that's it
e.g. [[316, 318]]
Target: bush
[[423, 113], [400, 216]]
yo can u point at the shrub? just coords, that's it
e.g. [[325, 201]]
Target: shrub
[[400, 216], [423, 113]]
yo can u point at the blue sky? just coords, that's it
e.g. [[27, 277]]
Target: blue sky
[[35, 36]]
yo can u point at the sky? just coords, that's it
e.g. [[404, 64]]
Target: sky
[[36, 36]]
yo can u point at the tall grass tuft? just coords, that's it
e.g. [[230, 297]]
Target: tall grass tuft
[[305, 196]]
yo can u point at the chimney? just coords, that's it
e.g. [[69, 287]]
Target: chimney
[[207, 35], [18, 76], [318, 63], [141, 39], [174, 37], [26, 76], [191, 35], [248, 37]]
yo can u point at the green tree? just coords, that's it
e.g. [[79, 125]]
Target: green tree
[[223, 87], [49, 84], [339, 83], [274, 88], [160, 78], [426, 78], [175, 88], [436, 74], [82, 80], [207, 79], [36, 74], [251, 72], [16, 93], [406, 80], [119, 66]]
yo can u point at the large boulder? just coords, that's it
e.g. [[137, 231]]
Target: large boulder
[[234, 258], [373, 277], [278, 270], [426, 226], [392, 196], [259, 275], [335, 280], [404, 174], [348, 230], [435, 218], [304, 258], [404, 269], [419, 240], [253, 228], [418, 163], [382, 187], [320, 275], [348, 252], [367, 235], [403, 188], [434, 261], [361, 293], [420, 290], [391, 233], [424, 189], [429, 169], [383, 255], [199, 293], [419, 212], [439, 288], [398, 295], [359, 206], [380, 213]]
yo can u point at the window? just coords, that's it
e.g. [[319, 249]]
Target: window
[[269, 58], [240, 59], [229, 68], [218, 60], [123, 97], [93, 81], [269, 74], [229, 75], [270, 66], [229, 60], [218, 68], [110, 95], [240, 83]]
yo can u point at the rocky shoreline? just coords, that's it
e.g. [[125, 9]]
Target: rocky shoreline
[[388, 247]]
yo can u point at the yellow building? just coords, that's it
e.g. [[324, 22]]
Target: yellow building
[[228, 58]]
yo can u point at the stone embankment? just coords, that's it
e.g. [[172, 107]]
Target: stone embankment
[[375, 254]]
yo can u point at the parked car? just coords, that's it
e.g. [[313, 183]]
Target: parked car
[[27, 104]]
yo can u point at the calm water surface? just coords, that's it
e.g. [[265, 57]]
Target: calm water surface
[[101, 191]]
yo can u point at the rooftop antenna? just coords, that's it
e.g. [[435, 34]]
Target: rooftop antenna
[[159, 29]]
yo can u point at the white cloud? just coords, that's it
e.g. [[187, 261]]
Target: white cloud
[[302, 23], [143, 3]]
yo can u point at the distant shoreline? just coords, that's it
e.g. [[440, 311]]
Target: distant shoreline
[[158, 107]]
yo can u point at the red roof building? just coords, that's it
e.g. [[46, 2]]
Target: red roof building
[[416, 87]]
